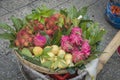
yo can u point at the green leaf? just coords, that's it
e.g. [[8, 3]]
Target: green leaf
[[29, 17], [47, 64], [83, 27], [34, 60], [17, 23], [61, 22], [75, 22], [47, 13], [39, 13], [12, 44], [94, 34], [46, 50], [6, 27], [80, 63], [90, 58], [64, 12], [8, 36], [68, 31], [48, 40], [87, 21], [82, 11], [26, 52], [72, 12], [42, 20], [56, 37], [25, 21], [99, 35]]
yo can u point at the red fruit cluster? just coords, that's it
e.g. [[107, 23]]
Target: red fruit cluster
[[115, 9], [49, 27], [24, 37], [37, 25], [51, 24]]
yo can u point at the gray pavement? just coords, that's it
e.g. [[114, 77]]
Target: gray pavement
[[9, 69]]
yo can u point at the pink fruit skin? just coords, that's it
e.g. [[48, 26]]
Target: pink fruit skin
[[65, 44], [24, 36], [76, 45], [76, 39], [49, 32], [82, 54], [86, 48], [40, 26], [77, 56], [76, 30], [39, 40]]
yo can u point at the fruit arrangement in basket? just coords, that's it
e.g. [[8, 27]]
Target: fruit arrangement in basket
[[65, 39]]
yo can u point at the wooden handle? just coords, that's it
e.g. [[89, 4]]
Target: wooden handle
[[108, 51]]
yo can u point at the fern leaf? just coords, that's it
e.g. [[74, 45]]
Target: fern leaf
[[17, 23], [6, 27], [8, 36]]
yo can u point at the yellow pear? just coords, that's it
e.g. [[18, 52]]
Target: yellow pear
[[37, 51], [68, 58], [61, 53], [55, 49]]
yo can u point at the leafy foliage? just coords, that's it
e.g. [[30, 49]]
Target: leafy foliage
[[45, 50], [93, 33], [39, 13], [34, 60], [26, 52], [7, 36], [6, 27], [17, 23], [56, 38], [44, 54], [73, 12], [82, 11], [47, 64]]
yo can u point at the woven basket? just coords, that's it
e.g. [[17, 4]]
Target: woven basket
[[39, 68], [39, 72]]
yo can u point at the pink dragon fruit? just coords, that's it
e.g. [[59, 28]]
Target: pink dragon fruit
[[76, 30], [81, 54], [74, 43], [85, 48], [77, 56], [75, 39], [65, 44], [39, 40]]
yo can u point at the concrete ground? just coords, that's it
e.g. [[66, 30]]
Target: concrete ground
[[9, 69]]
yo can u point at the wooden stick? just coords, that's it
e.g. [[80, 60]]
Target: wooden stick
[[109, 51]]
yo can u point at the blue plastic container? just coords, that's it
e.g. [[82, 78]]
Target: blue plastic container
[[113, 19]]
